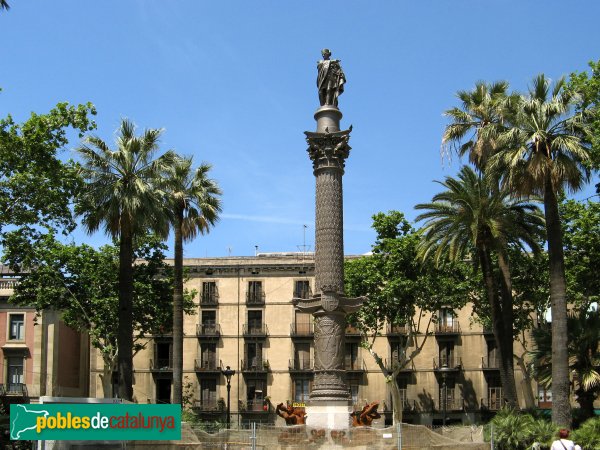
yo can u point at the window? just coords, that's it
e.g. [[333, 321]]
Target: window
[[208, 393], [16, 327], [209, 319], [494, 393], [255, 293], [14, 373], [163, 354], [256, 392], [398, 351], [302, 289], [163, 390], [544, 397], [208, 358], [449, 389], [303, 323], [447, 321], [254, 355], [493, 360], [209, 293], [353, 385], [302, 356], [255, 322], [351, 356], [302, 388], [447, 357]]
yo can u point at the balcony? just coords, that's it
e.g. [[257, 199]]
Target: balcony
[[355, 365], [208, 330], [209, 406], [255, 366], [301, 365], [255, 298], [488, 363], [209, 298], [396, 330], [255, 330], [161, 365], [303, 293], [208, 366], [352, 332], [452, 328], [302, 329], [255, 407], [14, 389], [449, 363], [393, 363]]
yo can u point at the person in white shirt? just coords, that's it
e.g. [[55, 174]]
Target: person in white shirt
[[562, 443]]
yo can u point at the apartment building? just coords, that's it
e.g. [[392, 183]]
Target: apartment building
[[40, 355], [245, 320]]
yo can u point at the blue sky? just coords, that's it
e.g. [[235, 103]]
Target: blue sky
[[233, 83]]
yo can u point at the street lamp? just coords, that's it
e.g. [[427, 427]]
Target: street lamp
[[444, 369], [228, 372]]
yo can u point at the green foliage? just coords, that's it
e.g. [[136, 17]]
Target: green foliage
[[587, 85], [82, 283], [517, 431], [396, 282], [588, 434], [581, 238], [36, 187]]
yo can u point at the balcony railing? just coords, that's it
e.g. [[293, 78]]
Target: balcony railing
[[13, 389], [301, 365], [255, 329], [452, 404], [256, 406], [490, 363], [302, 293], [301, 329], [161, 364], [208, 330], [209, 298], [393, 363], [396, 330], [355, 365], [255, 298], [447, 328], [215, 406], [207, 365], [492, 404], [8, 284], [450, 362], [255, 365]]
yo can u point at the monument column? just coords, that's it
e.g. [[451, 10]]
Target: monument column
[[328, 149]]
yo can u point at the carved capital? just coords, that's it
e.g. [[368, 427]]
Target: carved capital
[[328, 150]]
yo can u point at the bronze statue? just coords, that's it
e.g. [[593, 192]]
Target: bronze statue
[[291, 415], [330, 79], [365, 417]]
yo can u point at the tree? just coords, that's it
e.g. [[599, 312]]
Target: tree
[[36, 187], [471, 219], [4, 5], [587, 86], [584, 356], [81, 283], [194, 206], [121, 195], [544, 152], [401, 291], [476, 124]]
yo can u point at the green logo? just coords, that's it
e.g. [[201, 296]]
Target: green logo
[[95, 421]]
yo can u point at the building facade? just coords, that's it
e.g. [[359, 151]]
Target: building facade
[[245, 320]]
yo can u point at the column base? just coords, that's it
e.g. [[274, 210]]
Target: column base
[[331, 415]]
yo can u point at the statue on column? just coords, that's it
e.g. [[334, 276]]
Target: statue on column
[[330, 80]]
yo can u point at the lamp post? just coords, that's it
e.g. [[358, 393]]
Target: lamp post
[[228, 372], [444, 369]]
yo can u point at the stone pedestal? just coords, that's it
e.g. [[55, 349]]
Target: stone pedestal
[[329, 415]]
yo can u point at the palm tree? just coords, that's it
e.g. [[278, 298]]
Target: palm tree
[[472, 218], [584, 356], [120, 196], [543, 152], [4, 5], [476, 124], [194, 206]]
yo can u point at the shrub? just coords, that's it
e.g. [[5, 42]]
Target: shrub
[[512, 430], [588, 434]]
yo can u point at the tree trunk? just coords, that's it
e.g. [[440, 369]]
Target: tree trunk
[[178, 310], [125, 332], [398, 407], [506, 346], [106, 377], [497, 322], [561, 408], [526, 386]]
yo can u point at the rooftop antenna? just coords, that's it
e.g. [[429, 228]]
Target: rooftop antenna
[[229, 251], [256, 250]]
